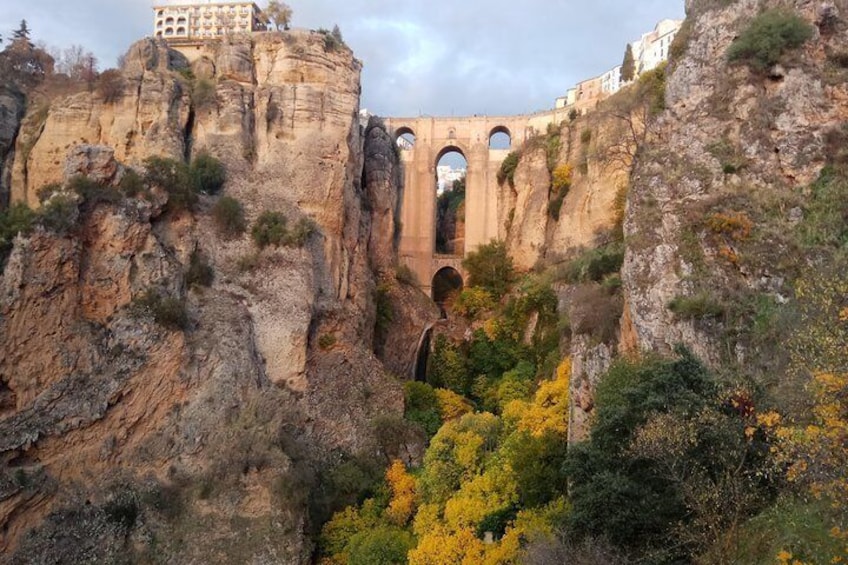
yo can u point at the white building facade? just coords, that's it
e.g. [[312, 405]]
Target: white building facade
[[652, 49], [206, 21]]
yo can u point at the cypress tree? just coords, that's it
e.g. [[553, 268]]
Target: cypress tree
[[628, 66]]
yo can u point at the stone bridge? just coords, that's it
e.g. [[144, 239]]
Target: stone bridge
[[470, 136]]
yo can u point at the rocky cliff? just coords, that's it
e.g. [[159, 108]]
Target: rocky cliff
[[722, 188], [203, 441]]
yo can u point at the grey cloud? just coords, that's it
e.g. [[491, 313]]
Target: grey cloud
[[479, 57]]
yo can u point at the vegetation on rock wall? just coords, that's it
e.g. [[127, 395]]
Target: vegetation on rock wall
[[769, 36]]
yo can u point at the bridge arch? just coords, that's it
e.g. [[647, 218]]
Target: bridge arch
[[405, 137], [500, 138], [447, 283]]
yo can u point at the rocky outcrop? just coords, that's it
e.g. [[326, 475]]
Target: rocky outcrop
[[528, 224], [730, 141], [202, 443], [149, 118]]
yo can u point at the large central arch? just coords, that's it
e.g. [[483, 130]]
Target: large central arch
[[434, 137]]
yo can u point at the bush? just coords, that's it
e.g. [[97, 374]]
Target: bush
[[595, 312], [381, 546], [405, 275], [200, 272], [269, 229], [110, 85], [166, 311], [92, 192], [698, 307], [228, 215], [298, 236], [562, 178], [327, 341], [507, 170], [594, 265], [474, 301], [175, 178], [47, 191], [446, 367], [491, 268], [18, 218], [769, 36], [123, 509], [60, 215], [208, 173], [132, 184], [421, 407]]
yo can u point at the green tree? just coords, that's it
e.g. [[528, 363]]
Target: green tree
[[628, 66], [491, 268], [381, 546], [208, 173], [22, 32], [279, 13]]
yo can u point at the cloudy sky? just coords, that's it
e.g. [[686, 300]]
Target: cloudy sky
[[430, 57]]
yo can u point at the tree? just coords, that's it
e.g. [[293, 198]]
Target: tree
[[490, 267], [77, 63], [22, 64], [279, 13], [22, 32], [628, 66]]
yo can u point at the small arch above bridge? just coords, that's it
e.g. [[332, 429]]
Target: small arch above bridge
[[500, 138]]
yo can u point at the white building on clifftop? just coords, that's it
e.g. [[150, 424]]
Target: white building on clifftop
[[196, 22]]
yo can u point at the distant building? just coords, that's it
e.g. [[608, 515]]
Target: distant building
[[653, 47], [196, 22], [648, 53], [611, 81]]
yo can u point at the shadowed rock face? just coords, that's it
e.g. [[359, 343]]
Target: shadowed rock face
[[12, 108], [200, 444]]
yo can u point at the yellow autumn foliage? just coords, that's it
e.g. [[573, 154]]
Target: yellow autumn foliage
[[440, 546], [452, 406], [817, 453], [548, 411], [493, 490], [404, 494]]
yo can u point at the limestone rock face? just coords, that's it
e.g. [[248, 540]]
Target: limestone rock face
[[149, 119], [725, 129], [528, 230], [218, 430]]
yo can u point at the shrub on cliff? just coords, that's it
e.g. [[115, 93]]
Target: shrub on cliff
[[769, 36], [16, 219], [491, 268], [165, 310], [200, 272], [228, 215], [208, 173], [269, 229], [507, 170], [175, 178]]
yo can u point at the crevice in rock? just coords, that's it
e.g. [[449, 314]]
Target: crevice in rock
[[188, 135]]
